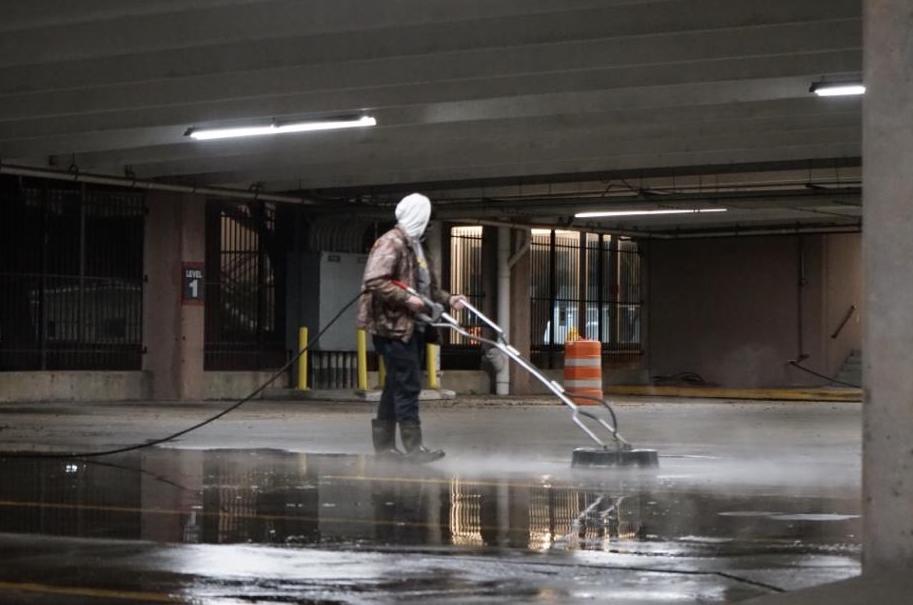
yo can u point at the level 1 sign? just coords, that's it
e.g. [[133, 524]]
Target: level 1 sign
[[192, 283]]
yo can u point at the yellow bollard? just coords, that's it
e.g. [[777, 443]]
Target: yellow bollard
[[303, 360], [381, 371], [431, 357], [361, 345]]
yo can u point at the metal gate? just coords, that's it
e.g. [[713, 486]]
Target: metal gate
[[246, 249], [71, 276]]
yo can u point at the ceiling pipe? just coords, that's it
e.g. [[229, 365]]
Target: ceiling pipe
[[131, 183], [761, 231], [739, 201], [522, 250], [667, 235], [577, 227]]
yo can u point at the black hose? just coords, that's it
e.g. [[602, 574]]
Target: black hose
[[799, 366], [231, 408], [604, 402]]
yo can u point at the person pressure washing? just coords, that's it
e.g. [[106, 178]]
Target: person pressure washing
[[391, 315]]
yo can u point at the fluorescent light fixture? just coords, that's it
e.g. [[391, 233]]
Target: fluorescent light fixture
[[837, 89], [210, 134], [611, 213]]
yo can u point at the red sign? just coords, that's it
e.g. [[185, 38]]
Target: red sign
[[192, 283]]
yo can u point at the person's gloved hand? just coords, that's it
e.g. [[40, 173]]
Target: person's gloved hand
[[457, 301], [415, 304]]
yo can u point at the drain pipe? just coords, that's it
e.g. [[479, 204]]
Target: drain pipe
[[502, 378]]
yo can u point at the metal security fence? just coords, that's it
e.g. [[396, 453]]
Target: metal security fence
[[584, 285], [626, 296], [464, 273], [71, 276], [466, 277], [246, 248]]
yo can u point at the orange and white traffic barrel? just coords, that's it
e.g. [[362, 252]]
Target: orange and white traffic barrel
[[583, 371]]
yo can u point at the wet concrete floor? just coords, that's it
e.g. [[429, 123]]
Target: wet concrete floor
[[273, 526]]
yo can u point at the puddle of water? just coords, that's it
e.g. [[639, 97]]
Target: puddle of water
[[284, 498]]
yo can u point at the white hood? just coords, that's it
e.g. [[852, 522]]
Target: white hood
[[413, 213]]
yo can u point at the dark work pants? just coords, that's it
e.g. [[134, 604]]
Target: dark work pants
[[403, 385]]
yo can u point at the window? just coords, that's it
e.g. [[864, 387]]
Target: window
[[245, 287], [71, 276]]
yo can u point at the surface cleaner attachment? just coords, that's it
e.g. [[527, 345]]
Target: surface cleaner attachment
[[594, 457], [611, 451]]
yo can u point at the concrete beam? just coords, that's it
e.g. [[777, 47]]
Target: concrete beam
[[337, 72], [625, 126], [426, 161], [85, 35], [137, 145], [590, 89]]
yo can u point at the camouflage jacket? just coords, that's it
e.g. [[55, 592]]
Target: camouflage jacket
[[382, 309]]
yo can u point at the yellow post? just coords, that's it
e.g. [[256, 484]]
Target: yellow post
[[361, 345], [431, 356], [381, 371], [303, 360]]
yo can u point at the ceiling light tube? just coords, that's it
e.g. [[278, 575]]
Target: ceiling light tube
[[837, 89], [611, 213], [210, 134]]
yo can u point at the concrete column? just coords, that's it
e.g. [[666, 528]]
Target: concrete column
[[433, 246], [519, 324], [888, 266], [490, 287], [490, 270], [172, 331], [502, 382]]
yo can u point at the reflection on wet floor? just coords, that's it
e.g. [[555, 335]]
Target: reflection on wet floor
[[277, 497]]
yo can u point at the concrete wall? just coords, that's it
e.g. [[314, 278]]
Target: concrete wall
[[729, 309], [844, 277], [235, 385], [74, 386], [119, 386]]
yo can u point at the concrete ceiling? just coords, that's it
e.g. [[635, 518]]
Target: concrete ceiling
[[468, 90]]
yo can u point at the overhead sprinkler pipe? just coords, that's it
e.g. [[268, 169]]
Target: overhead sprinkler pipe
[[130, 183], [502, 378]]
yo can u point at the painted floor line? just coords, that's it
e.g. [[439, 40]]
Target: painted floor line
[[95, 593]]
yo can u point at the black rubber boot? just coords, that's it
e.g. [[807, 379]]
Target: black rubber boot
[[411, 433], [384, 433]]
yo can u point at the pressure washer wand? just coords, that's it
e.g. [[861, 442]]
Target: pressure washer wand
[[436, 309], [438, 314]]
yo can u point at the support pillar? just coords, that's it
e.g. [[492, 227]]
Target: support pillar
[[520, 318], [172, 330], [434, 240], [502, 382], [888, 261]]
